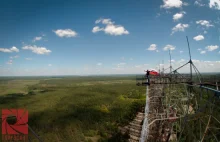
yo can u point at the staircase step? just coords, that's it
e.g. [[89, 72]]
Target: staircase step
[[134, 138], [134, 133], [133, 130], [135, 127]]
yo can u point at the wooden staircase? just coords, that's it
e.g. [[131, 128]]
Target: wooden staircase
[[134, 128]]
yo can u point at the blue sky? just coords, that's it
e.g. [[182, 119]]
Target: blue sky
[[78, 37]]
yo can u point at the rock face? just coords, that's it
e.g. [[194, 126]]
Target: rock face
[[134, 128]]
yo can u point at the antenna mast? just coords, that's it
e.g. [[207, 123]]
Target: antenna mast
[[190, 60], [170, 62]]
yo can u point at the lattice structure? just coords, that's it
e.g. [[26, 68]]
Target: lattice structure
[[182, 107]]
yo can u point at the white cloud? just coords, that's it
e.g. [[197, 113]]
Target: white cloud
[[96, 29], [202, 52], [28, 59], [104, 21], [205, 32], [152, 47], [178, 16], [110, 28], [49, 65], [172, 4], [13, 57], [215, 4], [179, 27], [99, 64], [199, 37], [115, 30], [204, 23], [37, 39], [198, 3], [65, 33], [169, 47], [199, 49], [212, 47], [13, 49], [37, 50], [181, 51]]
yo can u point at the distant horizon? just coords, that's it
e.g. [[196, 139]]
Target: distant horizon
[[100, 75]]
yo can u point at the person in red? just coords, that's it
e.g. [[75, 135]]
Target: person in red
[[147, 75]]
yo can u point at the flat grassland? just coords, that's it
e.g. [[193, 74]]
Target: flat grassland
[[74, 109]]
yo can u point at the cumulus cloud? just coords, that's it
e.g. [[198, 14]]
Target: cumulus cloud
[[203, 52], [199, 3], [215, 4], [204, 23], [104, 21], [14, 49], [168, 4], [65, 33], [169, 47], [115, 30], [178, 16], [179, 27], [97, 29], [152, 47], [199, 37], [212, 47], [9, 50], [37, 50], [37, 38], [110, 28]]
